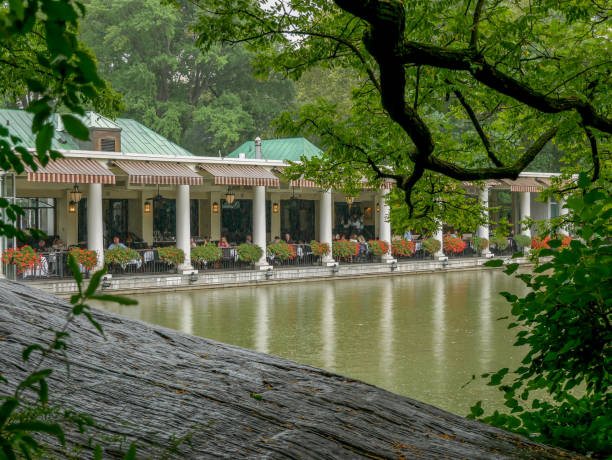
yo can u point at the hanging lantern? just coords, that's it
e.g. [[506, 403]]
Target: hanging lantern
[[75, 194], [377, 207], [215, 208], [275, 208], [147, 207], [230, 197], [72, 207], [349, 200]]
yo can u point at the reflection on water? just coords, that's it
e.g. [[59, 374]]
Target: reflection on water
[[422, 336]]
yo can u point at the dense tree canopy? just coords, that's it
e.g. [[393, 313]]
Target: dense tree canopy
[[207, 102], [466, 89]]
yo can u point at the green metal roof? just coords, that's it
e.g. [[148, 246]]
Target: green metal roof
[[19, 123], [137, 138], [291, 149]]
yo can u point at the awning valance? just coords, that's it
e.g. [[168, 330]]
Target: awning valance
[[159, 173], [72, 171], [304, 183], [527, 184], [241, 175]]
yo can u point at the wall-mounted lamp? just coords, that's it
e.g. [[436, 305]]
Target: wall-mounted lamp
[[72, 207], [377, 207], [275, 208], [147, 207], [215, 207], [75, 194], [230, 197]]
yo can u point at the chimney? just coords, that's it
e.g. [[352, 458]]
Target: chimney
[[258, 148]]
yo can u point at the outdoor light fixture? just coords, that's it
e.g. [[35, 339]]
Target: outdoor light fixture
[[230, 197], [393, 266], [75, 194], [377, 207], [216, 207], [147, 207], [275, 208], [72, 207], [193, 277]]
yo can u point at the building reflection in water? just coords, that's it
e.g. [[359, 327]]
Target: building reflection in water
[[262, 320], [387, 329], [186, 317], [485, 315], [437, 285], [328, 327]]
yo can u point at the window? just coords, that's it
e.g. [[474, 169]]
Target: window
[[107, 144], [39, 214]]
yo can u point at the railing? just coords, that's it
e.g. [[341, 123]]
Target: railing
[[52, 264], [229, 261], [303, 257]]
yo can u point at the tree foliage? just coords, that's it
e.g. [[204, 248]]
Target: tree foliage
[[468, 90], [207, 102], [566, 324]]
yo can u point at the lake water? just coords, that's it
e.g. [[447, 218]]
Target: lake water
[[421, 336]]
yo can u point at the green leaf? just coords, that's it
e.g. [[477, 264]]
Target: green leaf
[[131, 453], [43, 139], [75, 127], [94, 322], [76, 272], [114, 298], [94, 282], [17, 8], [25, 354], [98, 452], [38, 427], [511, 268], [7, 409], [494, 263]]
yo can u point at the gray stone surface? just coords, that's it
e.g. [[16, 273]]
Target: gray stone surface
[[163, 388]]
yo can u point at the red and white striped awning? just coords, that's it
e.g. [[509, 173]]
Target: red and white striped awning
[[159, 173], [71, 171], [304, 183], [241, 175], [527, 184]]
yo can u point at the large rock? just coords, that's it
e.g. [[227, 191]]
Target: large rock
[[187, 397]]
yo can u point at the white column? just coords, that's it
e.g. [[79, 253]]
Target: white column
[[525, 208], [183, 225], [259, 222], [439, 235], [483, 230], [325, 223], [563, 212], [384, 224], [95, 226]]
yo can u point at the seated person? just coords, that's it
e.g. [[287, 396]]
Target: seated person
[[276, 240], [249, 239], [223, 243], [41, 246], [58, 244], [288, 239], [117, 244]]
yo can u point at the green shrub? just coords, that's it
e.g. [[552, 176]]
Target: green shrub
[[500, 241], [282, 250], [206, 253], [119, 255], [564, 323], [431, 245], [250, 253], [319, 249], [344, 249], [479, 244], [171, 255], [522, 241]]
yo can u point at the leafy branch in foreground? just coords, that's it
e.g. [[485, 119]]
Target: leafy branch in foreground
[[25, 413], [566, 324]]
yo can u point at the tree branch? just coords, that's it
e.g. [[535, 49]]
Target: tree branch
[[476, 24], [478, 127], [594, 153]]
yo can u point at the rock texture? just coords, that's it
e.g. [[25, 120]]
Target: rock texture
[[180, 396]]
